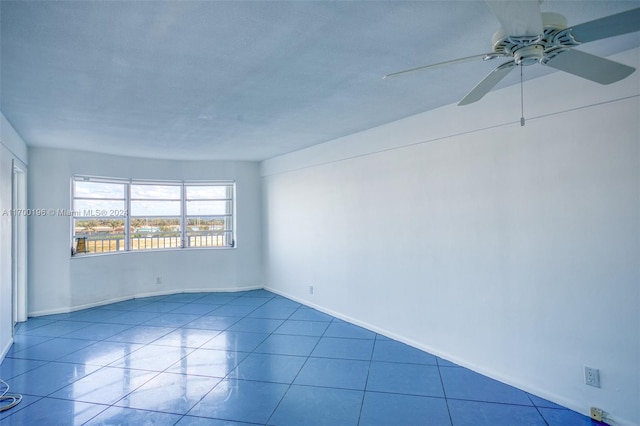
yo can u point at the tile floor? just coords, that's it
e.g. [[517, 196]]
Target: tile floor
[[243, 358]]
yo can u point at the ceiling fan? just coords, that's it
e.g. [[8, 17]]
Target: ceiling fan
[[530, 37]]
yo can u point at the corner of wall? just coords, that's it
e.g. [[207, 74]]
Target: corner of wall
[[12, 141], [13, 152]]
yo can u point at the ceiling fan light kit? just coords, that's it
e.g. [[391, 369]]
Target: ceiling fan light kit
[[529, 37]]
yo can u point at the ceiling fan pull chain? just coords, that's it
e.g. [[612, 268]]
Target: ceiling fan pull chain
[[521, 98]]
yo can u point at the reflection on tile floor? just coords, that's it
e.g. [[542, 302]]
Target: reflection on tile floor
[[243, 358]]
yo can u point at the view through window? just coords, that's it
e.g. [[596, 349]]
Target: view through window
[[111, 215]]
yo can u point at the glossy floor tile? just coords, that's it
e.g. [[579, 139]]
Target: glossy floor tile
[[246, 358]]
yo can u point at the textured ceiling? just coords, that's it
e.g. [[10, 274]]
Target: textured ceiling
[[241, 80]]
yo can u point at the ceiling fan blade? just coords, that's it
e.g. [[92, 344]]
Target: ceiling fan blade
[[591, 67], [518, 17], [484, 56], [488, 83], [609, 26]]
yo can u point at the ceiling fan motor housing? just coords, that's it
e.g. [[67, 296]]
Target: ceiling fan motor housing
[[529, 55], [540, 48]]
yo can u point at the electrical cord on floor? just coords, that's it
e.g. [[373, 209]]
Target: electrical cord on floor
[[606, 420], [5, 396]]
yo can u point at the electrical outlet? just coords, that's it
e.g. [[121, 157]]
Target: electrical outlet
[[592, 377], [310, 289], [596, 414]]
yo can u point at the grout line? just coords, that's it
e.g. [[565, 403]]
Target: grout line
[[301, 367], [444, 391], [366, 382], [537, 409]]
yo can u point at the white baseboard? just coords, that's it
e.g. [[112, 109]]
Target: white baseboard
[[5, 350], [74, 308]]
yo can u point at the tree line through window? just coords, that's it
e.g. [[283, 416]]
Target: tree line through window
[[112, 215]]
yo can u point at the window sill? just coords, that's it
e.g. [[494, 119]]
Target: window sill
[[121, 252]]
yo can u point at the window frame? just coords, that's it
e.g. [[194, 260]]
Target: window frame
[[132, 200], [228, 217], [229, 239]]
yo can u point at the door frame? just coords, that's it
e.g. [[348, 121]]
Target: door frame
[[18, 244]]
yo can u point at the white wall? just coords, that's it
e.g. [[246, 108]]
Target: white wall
[[12, 149], [510, 250], [59, 283]]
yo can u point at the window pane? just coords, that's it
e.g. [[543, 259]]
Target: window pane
[[98, 235], [208, 192], [208, 239], [209, 224], [155, 208], [208, 208], [88, 189], [208, 232], [155, 233], [161, 192], [99, 207]]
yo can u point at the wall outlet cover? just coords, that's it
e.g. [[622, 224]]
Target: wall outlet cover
[[592, 376]]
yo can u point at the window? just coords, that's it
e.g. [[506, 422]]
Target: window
[[111, 215], [155, 216], [101, 232], [209, 215]]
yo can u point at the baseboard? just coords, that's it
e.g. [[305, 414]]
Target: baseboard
[[5, 350], [74, 308]]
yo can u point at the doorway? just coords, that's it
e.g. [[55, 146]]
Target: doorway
[[19, 245]]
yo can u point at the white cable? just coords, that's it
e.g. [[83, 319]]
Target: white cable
[[15, 399], [521, 97]]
